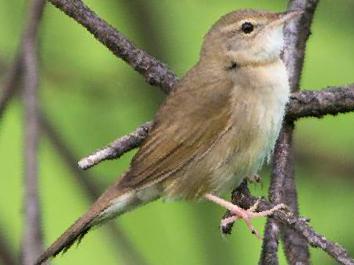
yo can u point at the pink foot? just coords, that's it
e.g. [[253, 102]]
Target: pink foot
[[239, 213]]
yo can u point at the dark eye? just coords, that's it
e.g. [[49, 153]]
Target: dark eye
[[247, 27]]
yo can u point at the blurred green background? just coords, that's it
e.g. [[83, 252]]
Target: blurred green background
[[91, 98]]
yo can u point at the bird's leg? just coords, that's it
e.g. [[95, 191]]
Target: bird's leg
[[239, 213]]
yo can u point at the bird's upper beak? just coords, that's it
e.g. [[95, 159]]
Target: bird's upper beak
[[286, 16]]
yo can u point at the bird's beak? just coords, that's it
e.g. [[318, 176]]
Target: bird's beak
[[285, 17]]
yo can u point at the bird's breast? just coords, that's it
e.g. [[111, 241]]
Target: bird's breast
[[259, 97]]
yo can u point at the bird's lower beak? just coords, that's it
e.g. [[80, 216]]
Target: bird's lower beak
[[285, 17]]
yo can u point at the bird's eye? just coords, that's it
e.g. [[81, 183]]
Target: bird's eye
[[247, 27]]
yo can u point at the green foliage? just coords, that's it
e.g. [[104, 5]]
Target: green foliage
[[92, 97]]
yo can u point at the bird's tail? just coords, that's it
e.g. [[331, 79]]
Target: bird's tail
[[111, 204]]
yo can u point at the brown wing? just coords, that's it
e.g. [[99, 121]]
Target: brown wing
[[186, 126]]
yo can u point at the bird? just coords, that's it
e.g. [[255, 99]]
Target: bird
[[218, 125]]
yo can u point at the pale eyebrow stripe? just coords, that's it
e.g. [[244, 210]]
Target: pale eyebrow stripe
[[235, 25], [230, 27]]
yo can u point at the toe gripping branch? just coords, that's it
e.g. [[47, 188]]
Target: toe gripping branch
[[242, 197]]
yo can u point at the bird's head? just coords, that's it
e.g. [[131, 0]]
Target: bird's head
[[247, 37]]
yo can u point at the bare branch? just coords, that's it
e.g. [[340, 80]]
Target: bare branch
[[283, 188], [32, 236], [155, 72], [118, 236], [118, 147], [296, 34], [243, 198], [269, 254], [333, 100]]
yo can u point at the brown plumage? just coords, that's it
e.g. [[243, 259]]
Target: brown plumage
[[170, 148], [218, 125]]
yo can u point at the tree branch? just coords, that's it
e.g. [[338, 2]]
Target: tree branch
[[154, 72], [118, 147], [283, 187], [243, 198], [333, 100], [32, 236], [269, 254]]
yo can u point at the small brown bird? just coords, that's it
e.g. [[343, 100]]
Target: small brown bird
[[218, 125]]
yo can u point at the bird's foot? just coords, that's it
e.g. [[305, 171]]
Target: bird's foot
[[244, 214]]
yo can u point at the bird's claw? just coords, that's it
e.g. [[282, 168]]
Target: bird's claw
[[247, 215]]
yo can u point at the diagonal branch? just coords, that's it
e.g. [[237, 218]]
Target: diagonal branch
[[118, 147], [243, 198], [32, 235], [154, 72]]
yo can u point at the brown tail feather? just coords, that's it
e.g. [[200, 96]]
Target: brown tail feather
[[93, 217], [75, 233], [111, 203]]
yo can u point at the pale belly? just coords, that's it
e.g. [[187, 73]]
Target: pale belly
[[248, 154], [238, 154], [258, 116]]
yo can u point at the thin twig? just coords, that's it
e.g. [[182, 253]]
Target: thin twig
[[269, 254], [129, 253], [32, 236], [296, 34], [155, 72], [243, 198], [283, 189], [333, 101], [117, 147], [282, 166]]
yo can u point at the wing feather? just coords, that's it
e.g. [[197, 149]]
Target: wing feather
[[186, 126]]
